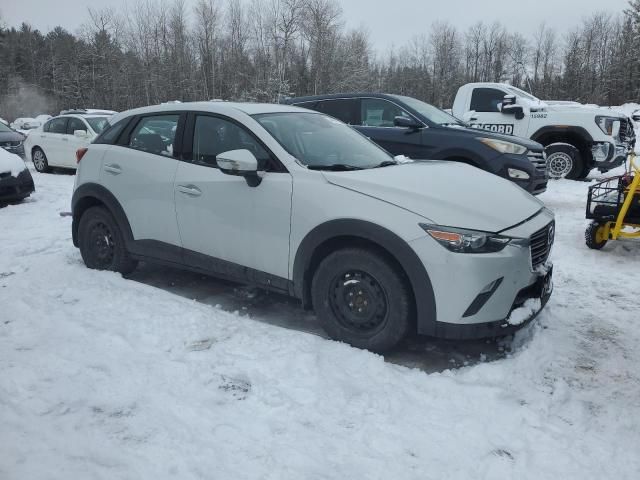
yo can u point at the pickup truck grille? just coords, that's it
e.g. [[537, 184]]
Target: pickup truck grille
[[541, 243], [539, 160], [627, 133]]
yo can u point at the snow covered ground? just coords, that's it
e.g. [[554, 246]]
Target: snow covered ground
[[146, 378]]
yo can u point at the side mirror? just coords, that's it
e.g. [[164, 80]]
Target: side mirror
[[404, 122], [241, 163], [80, 133], [516, 110], [469, 117]]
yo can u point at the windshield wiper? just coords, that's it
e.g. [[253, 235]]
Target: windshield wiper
[[387, 163], [336, 167]]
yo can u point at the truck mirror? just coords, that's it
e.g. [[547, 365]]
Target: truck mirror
[[516, 110]]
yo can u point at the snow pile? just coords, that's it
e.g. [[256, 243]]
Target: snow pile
[[104, 377], [10, 162], [523, 313]]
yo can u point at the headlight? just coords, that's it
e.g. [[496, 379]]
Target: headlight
[[504, 147], [608, 125], [518, 174], [466, 241]]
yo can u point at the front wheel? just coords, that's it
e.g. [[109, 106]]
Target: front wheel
[[101, 242], [564, 161], [361, 298], [594, 236]]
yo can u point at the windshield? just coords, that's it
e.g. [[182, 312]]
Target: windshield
[[98, 123], [319, 141], [432, 113], [522, 93], [4, 128]]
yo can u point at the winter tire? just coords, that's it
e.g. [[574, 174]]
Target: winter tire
[[102, 244], [564, 161], [40, 161], [362, 299], [594, 236]]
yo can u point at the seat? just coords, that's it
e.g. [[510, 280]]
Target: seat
[[149, 142]]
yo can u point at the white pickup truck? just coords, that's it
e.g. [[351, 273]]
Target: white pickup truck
[[577, 138]]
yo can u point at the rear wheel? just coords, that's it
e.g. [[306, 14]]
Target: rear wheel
[[564, 161], [362, 299], [40, 161], [595, 236], [101, 242]]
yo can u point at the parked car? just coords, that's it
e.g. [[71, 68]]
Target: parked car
[[578, 138], [406, 126], [297, 202], [16, 182], [56, 142], [11, 141], [25, 124]]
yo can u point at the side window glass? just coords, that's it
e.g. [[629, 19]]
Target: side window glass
[[486, 100], [309, 105], [58, 125], [344, 110], [155, 134], [46, 126], [213, 136], [380, 113], [75, 124], [110, 134]]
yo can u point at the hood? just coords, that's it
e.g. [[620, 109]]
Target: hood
[[477, 132], [445, 193], [11, 137], [11, 163], [591, 111]]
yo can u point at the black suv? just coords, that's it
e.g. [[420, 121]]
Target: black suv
[[407, 126]]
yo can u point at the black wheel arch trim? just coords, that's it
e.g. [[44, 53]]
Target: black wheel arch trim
[[396, 247], [90, 194], [555, 129]]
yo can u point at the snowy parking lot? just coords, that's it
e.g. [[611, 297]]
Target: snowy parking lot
[[174, 375]]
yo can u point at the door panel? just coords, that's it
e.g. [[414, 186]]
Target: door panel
[[142, 175], [52, 143], [219, 215]]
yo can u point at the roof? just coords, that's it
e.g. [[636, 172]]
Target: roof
[[213, 107], [335, 96]]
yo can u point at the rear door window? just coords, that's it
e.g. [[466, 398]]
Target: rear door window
[[155, 134], [345, 109]]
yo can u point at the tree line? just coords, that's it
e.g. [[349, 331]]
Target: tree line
[[264, 50]]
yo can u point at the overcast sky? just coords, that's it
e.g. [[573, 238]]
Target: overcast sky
[[389, 22]]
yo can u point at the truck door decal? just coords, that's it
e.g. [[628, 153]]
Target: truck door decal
[[504, 128]]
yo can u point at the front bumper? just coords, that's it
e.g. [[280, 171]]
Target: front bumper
[[16, 188], [507, 279], [607, 156], [14, 147], [534, 164]]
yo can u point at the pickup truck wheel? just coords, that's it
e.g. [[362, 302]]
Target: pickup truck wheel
[[564, 161], [361, 299], [101, 242], [40, 160]]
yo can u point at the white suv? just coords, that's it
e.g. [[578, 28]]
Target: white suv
[[55, 143], [297, 202]]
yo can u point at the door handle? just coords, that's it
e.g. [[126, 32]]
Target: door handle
[[113, 169], [190, 190]]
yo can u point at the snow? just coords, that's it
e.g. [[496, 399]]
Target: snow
[[10, 162], [106, 377]]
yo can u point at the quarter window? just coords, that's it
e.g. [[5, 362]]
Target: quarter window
[[155, 134], [213, 136], [380, 113], [58, 125], [487, 100]]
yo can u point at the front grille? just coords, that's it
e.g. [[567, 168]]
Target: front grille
[[541, 243], [10, 144], [539, 161], [5, 174], [627, 133]]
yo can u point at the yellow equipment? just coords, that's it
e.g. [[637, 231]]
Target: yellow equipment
[[614, 206]]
